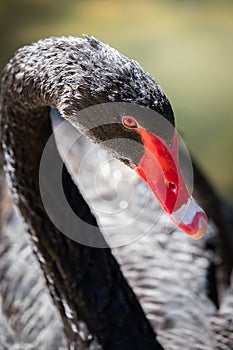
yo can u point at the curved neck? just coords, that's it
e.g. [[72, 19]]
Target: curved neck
[[86, 281]]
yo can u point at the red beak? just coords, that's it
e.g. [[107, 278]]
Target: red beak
[[159, 168]]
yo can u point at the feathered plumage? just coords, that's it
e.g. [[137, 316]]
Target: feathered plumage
[[170, 274]]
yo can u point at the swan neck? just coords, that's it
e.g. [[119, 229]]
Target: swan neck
[[39, 77]]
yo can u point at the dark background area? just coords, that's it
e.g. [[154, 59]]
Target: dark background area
[[186, 45]]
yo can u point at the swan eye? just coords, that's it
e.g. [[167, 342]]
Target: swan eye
[[129, 122]]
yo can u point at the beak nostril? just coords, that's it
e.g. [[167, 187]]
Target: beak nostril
[[171, 185]]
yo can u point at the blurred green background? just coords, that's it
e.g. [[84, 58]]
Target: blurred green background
[[186, 45]]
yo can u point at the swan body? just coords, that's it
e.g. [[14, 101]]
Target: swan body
[[82, 300]]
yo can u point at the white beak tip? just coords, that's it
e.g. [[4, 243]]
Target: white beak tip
[[191, 219], [197, 235], [202, 227]]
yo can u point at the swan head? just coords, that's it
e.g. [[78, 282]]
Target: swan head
[[147, 142], [129, 114]]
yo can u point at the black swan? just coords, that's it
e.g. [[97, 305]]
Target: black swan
[[184, 286]]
